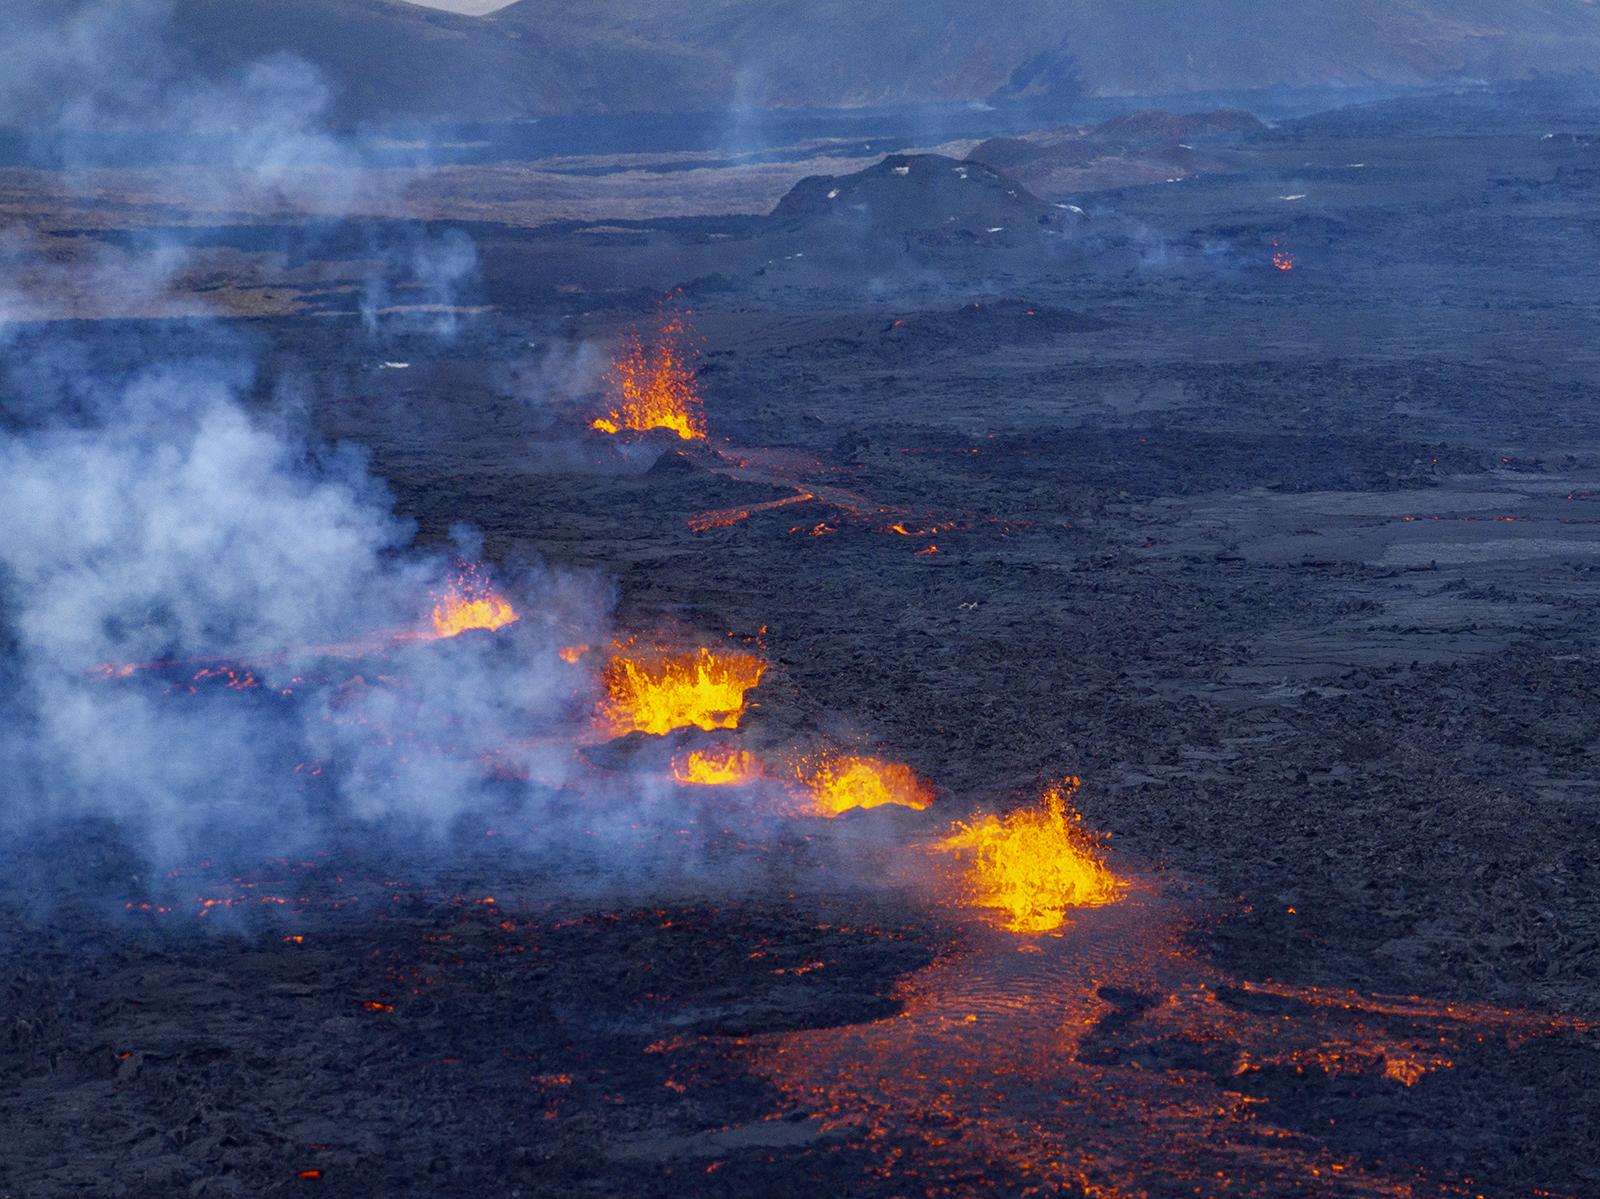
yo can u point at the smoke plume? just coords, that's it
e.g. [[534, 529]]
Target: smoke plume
[[190, 599]]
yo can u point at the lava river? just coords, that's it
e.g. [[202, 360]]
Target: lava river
[[1106, 1058]]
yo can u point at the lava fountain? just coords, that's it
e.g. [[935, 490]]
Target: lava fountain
[[658, 692], [855, 782], [654, 388], [717, 766], [470, 603], [1034, 864]]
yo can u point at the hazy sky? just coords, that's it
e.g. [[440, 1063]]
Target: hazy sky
[[475, 8]]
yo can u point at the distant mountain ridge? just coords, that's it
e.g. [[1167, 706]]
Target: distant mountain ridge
[[388, 59]]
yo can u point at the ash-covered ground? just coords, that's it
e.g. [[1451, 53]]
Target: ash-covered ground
[[1263, 502]]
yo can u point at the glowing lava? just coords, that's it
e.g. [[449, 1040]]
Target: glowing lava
[[837, 786], [654, 389], [1282, 259], [718, 766], [470, 603], [1034, 864], [723, 517], [657, 693]]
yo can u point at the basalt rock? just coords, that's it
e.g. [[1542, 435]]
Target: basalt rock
[[925, 195]]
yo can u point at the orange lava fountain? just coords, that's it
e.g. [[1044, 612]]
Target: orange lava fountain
[[654, 389], [855, 782], [470, 603], [1034, 864], [661, 692], [718, 766]]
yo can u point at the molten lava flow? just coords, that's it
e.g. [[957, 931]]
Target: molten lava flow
[[470, 603], [654, 389], [660, 692], [723, 517], [1282, 259], [1034, 864], [838, 786], [718, 766]]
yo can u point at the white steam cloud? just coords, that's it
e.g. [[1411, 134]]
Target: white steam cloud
[[438, 268], [204, 619], [181, 531], [251, 143]]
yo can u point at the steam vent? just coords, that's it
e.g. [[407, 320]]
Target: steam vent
[[797, 600]]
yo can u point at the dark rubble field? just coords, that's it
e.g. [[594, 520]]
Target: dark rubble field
[[1295, 569]]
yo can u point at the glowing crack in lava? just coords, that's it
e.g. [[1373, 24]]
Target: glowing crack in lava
[[654, 388], [1034, 864], [470, 603], [717, 766], [656, 693], [856, 782]]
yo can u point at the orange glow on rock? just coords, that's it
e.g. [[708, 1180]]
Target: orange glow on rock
[[856, 782], [656, 693], [1408, 1070], [470, 603], [1034, 864], [654, 388], [717, 766]]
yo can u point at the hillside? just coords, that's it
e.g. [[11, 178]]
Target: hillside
[[802, 52], [387, 59]]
